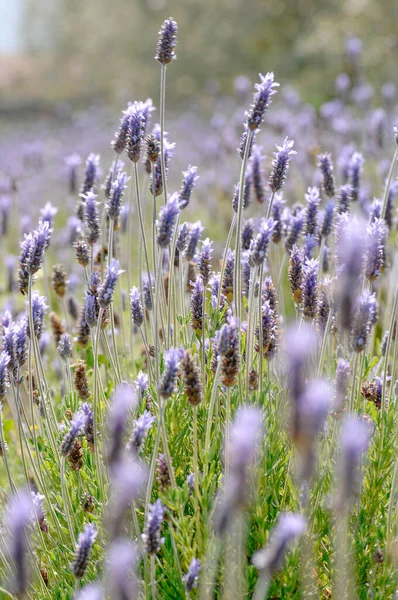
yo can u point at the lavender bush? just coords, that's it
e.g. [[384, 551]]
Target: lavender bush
[[199, 415]]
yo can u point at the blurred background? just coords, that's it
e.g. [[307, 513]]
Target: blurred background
[[60, 52]]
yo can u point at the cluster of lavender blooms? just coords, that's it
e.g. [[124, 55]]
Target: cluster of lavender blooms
[[181, 374]]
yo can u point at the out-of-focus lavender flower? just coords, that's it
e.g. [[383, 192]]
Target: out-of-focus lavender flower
[[92, 591], [76, 426], [362, 95], [141, 427], [115, 197], [245, 435], [38, 511], [167, 41], [5, 205], [107, 287], [227, 284], [327, 221], [4, 377], [191, 482], [280, 165], [48, 213], [39, 309], [83, 550], [197, 307], [167, 382], [294, 229], [310, 288], [310, 242], [18, 519], [9, 263], [342, 85], [188, 183], [326, 167], [270, 558], [90, 310], [375, 210], [91, 218], [296, 273], [91, 174], [384, 342], [195, 231], [324, 304], [375, 248], [355, 170], [122, 563], [353, 49], [128, 478], [245, 197], [300, 346], [191, 578], [259, 245], [228, 349], [342, 380], [311, 213], [65, 346], [355, 438], [151, 536], [167, 218], [115, 168], [123, 401], [88, 427], [147, 286], [72, 163], [276, 214], [365, 312], [261, 100], [137, 312], [344, 198], [257, 175], [389, 92], [204, 260]]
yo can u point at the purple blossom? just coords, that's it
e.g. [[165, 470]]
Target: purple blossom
[[4, 377], [276, 214], [355, 170], [327, 221], [280, 165], [191, 578], [167, 218], [75, 428], [135, 131], [142, 383], [83, 550], [122, 561], [204, 260], [311, 213], [20, 337], [90, 310], [326, 167], [116, 194], [137, 312], [257, 175], [89, 423], [120, 140], [294, 229], [107, 287], [310, 242], [48, 213], [151, 536], [165, 49], [91, 174], [342, 380], [65, 346], [167, 382], [141, 427], [310, 288], [123, 401], [39, 309], [365, 312], [259, 245], [355, 438], [188, 183], [375, 248], [261, 100], [91, 217], [344, 198], [18, 519], [182, 237]]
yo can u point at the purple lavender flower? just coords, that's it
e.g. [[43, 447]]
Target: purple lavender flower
[[191, 578], [147, 286], [107, 287], [294, 229], [259, 245], [135, 132], [296, 273], [270, 558], [280, 165], [276, 214], [92, 591], [39, 308], [355, 438], [261, 100], [204, 260], [90, 310], [91, 174], [247, 234], [167, 218], [21, 340], [151, 536], [257, 175], [365, 311], [188, 183], [123, 401], [310, 288], [195, 231], [300, 347], [83, 550], [76, 426], [65, 346], [375, 248], [243, 141], [246, 194], [197, 308], [9, 347], [375, 210], [4, 377], [344, 198], [182, 237], [115, 197], [327, 221], [40, 240], [246, 273], [214, 285], [141, 427], [355, 170], [91, 217], [311, 213], [165, 49], [310, 242], [72, 163], [48, 213], [128, 478], [18, 518], [167, 382], [342, 380], [141, 384], [137, 312], [326, 167], [88, 427], [122, 561], [120, 140]]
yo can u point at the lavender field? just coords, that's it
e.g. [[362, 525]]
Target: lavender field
[[199, 346]]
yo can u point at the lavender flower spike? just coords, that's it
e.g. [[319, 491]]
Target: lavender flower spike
[[91, 174], [4, 377], [311, 215], [151, 536], [310, 288], [65, 346], [204, 260], [355, 438], [168, 380], [135, 132], [355, 169], [191, 578], [123, 401], [187, 186], [141, 427], [107, 287], [280, 165], [259, 246], [270, 558], [91, 217], [326, 167], [167, 218], [115, 197], [19, 517], [40, 241], [195, 231], [165, 49], [374, 251], [120, 140], [365, 312], [261, 100], [122, 561], [76, 426], [39, 308], [247, 234], [137, 312], [83, 550], [90, 310]]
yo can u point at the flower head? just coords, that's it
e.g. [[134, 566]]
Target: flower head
[[188, 183], [167, 382], [165, 49], [115, 196], [83, 550], [167, 218], [137, 312], [151, 536], [326, 167], [107, 287], [270, 558], [261, 100], [280, 164]]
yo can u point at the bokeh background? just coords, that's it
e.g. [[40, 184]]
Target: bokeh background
[[69, 51]]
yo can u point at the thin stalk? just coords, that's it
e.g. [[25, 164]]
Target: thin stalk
[[388, 182], [4, 453], [224, 258], [249, 335], [324, 340], [391, 327], [353, 384], [65, 500], [96, 401], [270, 203], [262, 586], [112, 316], [260, 330], [210, 417], [196, 470], [237, 270], [153, 576], [162, 120]]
